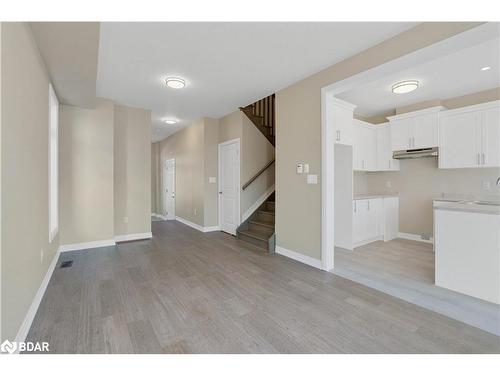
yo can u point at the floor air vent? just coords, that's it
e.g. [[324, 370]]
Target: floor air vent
[[66, 264]]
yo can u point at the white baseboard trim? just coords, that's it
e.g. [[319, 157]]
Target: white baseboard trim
[[414, 237], [189, 223], [196, 226], [133, 237], [159, 216], [87, 245], [211, 229], [258, 203], [313, 262], [366, 242], [23, 331]]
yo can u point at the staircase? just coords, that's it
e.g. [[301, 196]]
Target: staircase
[[262, 114], [258, 229]]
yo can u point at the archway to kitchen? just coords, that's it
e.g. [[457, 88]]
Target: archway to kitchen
[[379, 238]]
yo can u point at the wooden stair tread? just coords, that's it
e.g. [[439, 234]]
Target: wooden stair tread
[[262, 223], [263, 236], [266, 212]]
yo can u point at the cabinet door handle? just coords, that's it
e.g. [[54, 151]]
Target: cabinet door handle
[[389, 163], [478, 160], [355, 208], [338, 135], [368, 205], [482, 154], [409, 142]]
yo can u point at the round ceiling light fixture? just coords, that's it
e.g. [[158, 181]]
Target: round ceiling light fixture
[[175, 82], [170, 121], [404, 87]]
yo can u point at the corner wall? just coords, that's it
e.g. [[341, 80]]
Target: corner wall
[[26, 253], [132, 170]]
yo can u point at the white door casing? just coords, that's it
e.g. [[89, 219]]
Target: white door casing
[[229, 185], [169, 189]]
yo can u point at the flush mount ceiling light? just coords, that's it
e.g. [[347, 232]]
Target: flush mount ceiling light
[[404, 87], [170, 122], [485, 68], [175, 82]]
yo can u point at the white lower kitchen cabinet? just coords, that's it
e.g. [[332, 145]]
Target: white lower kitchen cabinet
[[375, 219], [467, 247]]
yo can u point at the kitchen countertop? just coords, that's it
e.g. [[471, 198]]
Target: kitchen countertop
[[357, 197], [482, 207]]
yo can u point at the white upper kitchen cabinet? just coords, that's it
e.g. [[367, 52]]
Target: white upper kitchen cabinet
[[414, 130], [364, 146], [385, 162], [490, 137], [469, 137], [341, 117]]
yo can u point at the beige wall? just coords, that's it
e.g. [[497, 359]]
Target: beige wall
[[298, 134], [456, 102], [230, 126], [132, 170], [187, 148], [155, 178], [211, 200], [24, 175], [86, 173], [419, 181]]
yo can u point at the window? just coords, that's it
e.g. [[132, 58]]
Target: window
[[53, 164]]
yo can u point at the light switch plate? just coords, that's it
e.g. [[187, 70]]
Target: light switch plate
[[300, 168], [212, 180], [312, 178]]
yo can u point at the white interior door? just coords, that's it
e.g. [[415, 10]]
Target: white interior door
[[169, 189], [229, 186]]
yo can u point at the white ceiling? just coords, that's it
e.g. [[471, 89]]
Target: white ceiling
[[226, 65], [456, 74]]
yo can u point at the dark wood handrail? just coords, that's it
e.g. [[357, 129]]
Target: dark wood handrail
[[257, 174]]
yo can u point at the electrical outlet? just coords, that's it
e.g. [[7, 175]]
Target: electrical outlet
[[125, 219], [306, 168]]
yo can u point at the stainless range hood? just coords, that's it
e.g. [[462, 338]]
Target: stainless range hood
[[417, 153]]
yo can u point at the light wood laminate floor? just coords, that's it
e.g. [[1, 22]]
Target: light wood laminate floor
[[405, 269], [189, 292]]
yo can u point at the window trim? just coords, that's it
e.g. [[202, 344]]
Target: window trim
[[53, 165]]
